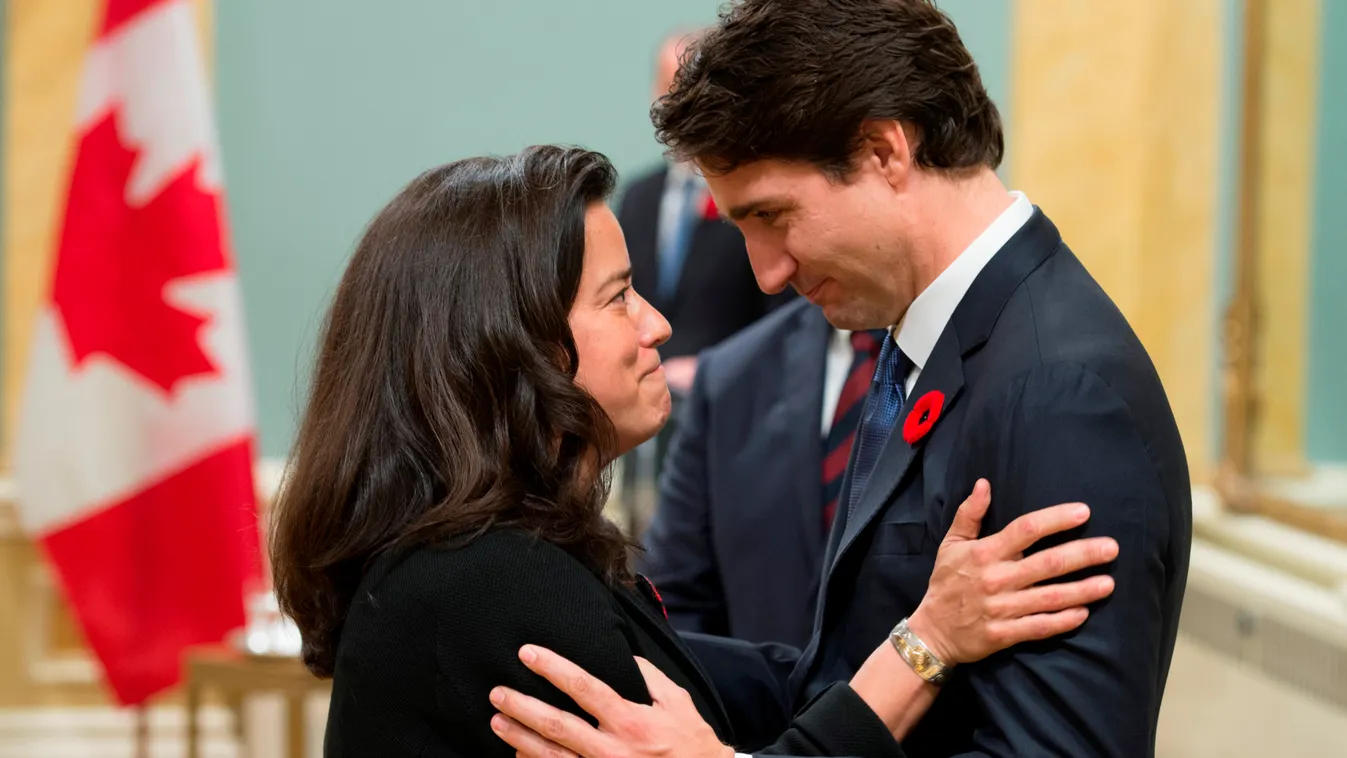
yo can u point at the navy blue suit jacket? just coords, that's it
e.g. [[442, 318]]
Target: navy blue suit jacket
[[736, 543], [1049, 395]]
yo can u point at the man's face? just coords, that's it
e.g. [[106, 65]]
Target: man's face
[[840, 244]]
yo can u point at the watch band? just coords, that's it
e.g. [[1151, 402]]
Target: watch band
[[918, 656]]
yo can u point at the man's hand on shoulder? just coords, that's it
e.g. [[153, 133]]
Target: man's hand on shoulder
[[669, 728]]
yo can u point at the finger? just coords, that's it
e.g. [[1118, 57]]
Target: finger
[[598, 699], [1020, 534], [525, 741], [968, 518], [552, 724], [662, 689], [1050, 598], [1041, 626], [1062, 560]]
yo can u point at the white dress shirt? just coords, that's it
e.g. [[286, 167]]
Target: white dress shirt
[[839, 357], [930, 313]]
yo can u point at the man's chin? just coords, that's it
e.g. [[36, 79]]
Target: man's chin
[[851, 319]]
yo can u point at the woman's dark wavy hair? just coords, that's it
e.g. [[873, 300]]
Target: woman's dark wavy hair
[[443, 400]]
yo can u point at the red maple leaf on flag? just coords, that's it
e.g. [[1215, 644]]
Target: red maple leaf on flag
[[115, 261]]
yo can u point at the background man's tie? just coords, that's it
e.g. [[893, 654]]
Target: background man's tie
[[675, 241], [846, 417]]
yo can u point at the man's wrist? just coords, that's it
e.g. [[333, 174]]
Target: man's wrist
[[921, 626]]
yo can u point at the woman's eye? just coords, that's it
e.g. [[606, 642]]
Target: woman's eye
[[621, 297]]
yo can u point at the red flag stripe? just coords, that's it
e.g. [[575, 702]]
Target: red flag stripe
[[160, 570], [118, 12]]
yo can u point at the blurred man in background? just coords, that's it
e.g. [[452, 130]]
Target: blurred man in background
[[685, 260], [692, 265]]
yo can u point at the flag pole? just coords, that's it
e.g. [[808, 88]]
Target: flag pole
[[142, 731]]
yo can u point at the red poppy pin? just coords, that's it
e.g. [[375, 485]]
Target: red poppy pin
[[925, 412], [658, 599], [709, 210]]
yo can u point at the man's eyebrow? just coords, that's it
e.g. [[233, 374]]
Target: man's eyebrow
[[740, 212]]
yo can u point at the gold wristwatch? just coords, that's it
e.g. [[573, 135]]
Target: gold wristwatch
[[918, 656]]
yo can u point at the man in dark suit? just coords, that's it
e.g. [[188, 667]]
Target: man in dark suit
[[685, 259], [749, 489], [854, 145]]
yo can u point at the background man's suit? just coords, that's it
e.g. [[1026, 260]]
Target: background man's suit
[[736, 544], [715, 295], [1050, 396]]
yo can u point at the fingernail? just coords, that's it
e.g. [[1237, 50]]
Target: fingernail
[[497, 696], [1111, 549], [527, 654], [1081, 513], [1105, 583], [498, 724]]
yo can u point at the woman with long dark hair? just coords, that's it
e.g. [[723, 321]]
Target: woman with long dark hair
[[483, 361]]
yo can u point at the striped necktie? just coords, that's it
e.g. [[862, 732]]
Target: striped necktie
[[846, 416]]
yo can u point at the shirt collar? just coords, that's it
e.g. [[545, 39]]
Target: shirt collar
[[916, 333], [681, 173]]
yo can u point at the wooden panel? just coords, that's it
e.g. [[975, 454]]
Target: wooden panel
[[44, 51], [1285, 226], [1114, 123]]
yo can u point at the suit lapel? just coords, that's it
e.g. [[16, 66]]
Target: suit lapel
[[805, 353], [700, 253], [969, 327], [643, 233], [643, 609], [943, 373]]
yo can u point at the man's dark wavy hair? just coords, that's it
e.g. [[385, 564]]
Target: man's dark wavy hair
[[795, 79]]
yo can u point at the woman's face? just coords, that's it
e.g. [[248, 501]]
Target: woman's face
[[617, 334]]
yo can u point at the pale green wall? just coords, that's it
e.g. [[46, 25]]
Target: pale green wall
[[327, 107], [1327, 407], [1227, 199], [1326, 380]]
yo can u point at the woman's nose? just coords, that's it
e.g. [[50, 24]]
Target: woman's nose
[[654, 328]]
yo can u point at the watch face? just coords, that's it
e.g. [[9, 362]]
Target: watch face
[[921, 660]]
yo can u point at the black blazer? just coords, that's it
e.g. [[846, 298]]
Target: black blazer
[[736, 542], [1049, 395], [717, 294], [433, 631]]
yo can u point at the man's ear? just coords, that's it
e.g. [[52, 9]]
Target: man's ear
[[887, 147]]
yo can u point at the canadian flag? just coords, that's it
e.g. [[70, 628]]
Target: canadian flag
[[134, 453]]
